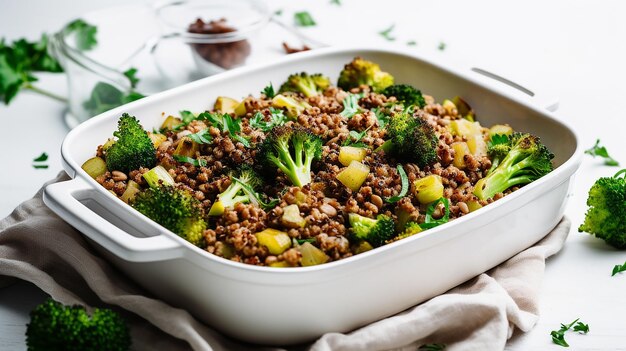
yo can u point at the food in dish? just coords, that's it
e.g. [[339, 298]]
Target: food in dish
[[314, 173]]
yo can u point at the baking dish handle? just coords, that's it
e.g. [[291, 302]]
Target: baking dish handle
[[64, 198], [549, 103]]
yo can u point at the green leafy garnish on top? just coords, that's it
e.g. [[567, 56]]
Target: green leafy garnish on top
[[601, 151], [276, 118], [351, 105], [405, 186]]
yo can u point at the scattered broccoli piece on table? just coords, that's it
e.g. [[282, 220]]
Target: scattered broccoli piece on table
[[406, 94], [374, 231], [56, 327], [411, 139], [133, 148], [520, 161], [360, 71], [175, 209], [307, 84], [292, 150], [606, 216]]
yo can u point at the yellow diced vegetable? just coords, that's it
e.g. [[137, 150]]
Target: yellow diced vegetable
[[158, 176], [300, 197], [473, 205], [465, 128], [225, 104], [464, 108], [311, 255], [347, 154], [108, 144], [450, 107], [279, 264], [187, 147], [354, 175], [217, 209], [460, 150], [241, 110], [95, 167], [228, 250], [363, 247], [171, 122], [132, 189], [291, 217], [477, 145], [500, 129], [428, 189], [275, 240], [157, 139]]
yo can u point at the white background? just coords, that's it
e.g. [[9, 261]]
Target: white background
[[573, 50]]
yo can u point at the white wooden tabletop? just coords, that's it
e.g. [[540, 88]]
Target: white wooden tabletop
[[573, 50]]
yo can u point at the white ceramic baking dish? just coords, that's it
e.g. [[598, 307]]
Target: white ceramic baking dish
[[287, 306]]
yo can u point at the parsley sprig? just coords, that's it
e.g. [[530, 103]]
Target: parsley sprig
[[268, 91], [558, 336], [619, 268], [199, 162], [405, 186], [304, 19], [201, 137], [598, 150], [386, 33], [226, 123], [351, 105], [276, 118], [431, 222]]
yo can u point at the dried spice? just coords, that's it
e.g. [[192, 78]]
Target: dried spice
[[226, 55]]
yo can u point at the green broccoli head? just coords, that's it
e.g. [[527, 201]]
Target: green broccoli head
[[406, 94], [363, 72], [374, 231], [133, 148], [527, 160], [412, 139], [606, 216], [293, 105], [293, 150], [174, 209], [55, 327], [242, 189], [309, 85]]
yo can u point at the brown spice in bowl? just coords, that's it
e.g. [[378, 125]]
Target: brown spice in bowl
[[226, 55]]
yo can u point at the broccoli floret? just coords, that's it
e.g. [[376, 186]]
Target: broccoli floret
[[293, 105], [406, 94], [242, 189], [55, 327], [374, 231], [520, 161], [360, 71], [411, 139], [293, 150], [606, 216], [133, 148], [309, 85], [175, 209]]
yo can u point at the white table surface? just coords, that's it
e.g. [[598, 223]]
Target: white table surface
[[573, 50]]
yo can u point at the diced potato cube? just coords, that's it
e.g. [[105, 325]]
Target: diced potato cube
[[465, 128], [241, 110], [500, 129], [157, 139], [347, 154], [225, 104], [363, 247], [311, 255], [217, 209], [464, 109], [354, 175], [460, 150], [171, 122], [473, 205], [187, 147], [275, 240], [428, 189], [95, 167], [300, 197], [477, 145], [279, 264], [291, 217], [450, 107]]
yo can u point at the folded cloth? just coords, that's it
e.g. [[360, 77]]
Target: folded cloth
[[481, 314]]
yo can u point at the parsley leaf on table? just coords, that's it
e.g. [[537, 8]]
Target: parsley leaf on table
[[619, 268], [432, 347], [601, 151], [442, 46], [304, 19], [558, 336], [41, 158], [386, 33]]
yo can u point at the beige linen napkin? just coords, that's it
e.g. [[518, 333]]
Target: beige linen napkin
[[481, 314]]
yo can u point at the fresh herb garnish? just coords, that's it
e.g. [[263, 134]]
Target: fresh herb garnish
[[442, 46], [336, 2], [351, 105], [40, 166], [411, 43], [18, 62], [201, 137], [405, 186], [429, 221], [84, 34], [354, 138], [619, 268], [432, 347], [131, 74], [601, 151], [387, 33], [255, 197], [268, 91], [558, 336], [309, 240], [304, 19], [200, 162], [187, 116], [381, 117], [41, 158], [277, 118], [226, 123]]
